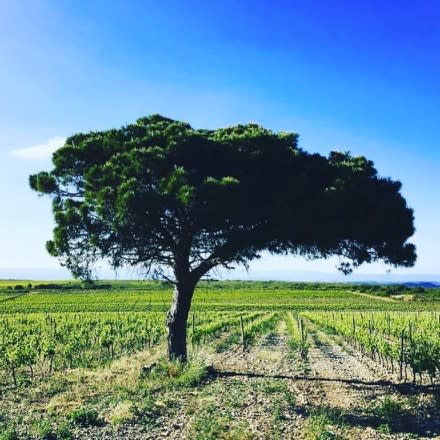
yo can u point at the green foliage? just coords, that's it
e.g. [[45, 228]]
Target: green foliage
[[158, 192], [45, 430], [297, 337], [63, 432], [60, 341], [271, 386], [147, 410], [209, 425], [225, 296], [176, 374], [84, 416], [389, 409], [8, 433], [321, 423], [66, 332], [213, 328], [393, 415], [408, 338]]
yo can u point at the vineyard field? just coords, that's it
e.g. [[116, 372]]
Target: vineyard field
[[314, 361], [154, 296]]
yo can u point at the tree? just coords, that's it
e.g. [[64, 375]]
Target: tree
[[179, 202]]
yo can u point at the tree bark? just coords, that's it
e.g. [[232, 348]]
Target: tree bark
[[177, 319]]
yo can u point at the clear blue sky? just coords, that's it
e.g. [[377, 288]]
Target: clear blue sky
[[352, 75]]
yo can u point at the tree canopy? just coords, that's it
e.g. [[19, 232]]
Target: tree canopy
[[142, 194], [179, 201]]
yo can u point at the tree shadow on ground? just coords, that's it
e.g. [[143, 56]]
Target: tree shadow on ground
[[402, 388], [398, 421], [388, 415]]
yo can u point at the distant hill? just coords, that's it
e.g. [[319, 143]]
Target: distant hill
[[424, 284]]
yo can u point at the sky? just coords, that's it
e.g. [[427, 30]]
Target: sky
[[348, 75]]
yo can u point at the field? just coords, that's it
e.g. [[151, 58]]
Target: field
[[268, 360]]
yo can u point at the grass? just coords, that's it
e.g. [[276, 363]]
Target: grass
[[45, 430], [174, 374], [322, 424], [270, 386], [85, 416], [123, 412], [209, 425], [393, 415], [224, 344], [8, 433], [218, 411], [116, 394], [148, 410]]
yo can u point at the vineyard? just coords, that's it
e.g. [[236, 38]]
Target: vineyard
[[53, 333], [398, 340]]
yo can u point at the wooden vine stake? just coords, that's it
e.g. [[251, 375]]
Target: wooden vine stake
[[303, 339], [243, 338], [402, 334], [193, 329], [301, 326]]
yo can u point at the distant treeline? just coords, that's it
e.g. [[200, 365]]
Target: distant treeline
[[419, 292], [56, 286]]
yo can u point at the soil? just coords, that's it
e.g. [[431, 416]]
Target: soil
[[335, 378], [263, 392]]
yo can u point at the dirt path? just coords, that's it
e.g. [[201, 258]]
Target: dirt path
[[375, 297], [342, 378], [355, 386], [267, 358], [266, 377]]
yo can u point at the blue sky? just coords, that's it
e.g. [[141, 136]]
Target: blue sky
[[349, 75]]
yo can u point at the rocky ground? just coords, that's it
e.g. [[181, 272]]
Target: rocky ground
[[263, 392]]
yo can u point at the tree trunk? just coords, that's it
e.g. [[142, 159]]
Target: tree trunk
[[177, 319]]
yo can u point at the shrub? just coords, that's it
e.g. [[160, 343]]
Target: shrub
[[85, 417], [8, 434]]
